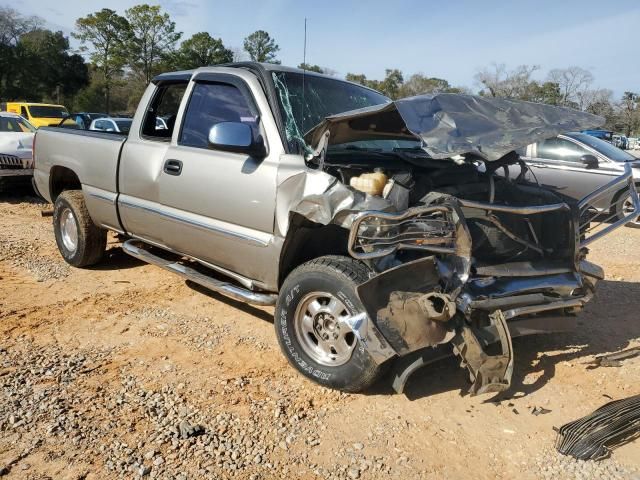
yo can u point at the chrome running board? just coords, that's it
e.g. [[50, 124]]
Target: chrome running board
[[138, 249]]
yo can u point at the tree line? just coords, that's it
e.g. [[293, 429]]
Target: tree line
[[125, 52]]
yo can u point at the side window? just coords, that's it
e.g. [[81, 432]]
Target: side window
[[560, 149], [164, 106], [23, 112], [212, 103], [99, 125]]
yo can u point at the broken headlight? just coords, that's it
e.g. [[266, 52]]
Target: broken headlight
[[376, 234]]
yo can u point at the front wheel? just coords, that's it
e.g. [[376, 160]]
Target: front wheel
[[314, 303]]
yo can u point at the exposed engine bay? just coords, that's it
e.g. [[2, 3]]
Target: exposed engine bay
[[497, 236]]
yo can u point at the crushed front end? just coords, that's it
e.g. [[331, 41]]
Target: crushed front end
[[478, 267], [465, 246]]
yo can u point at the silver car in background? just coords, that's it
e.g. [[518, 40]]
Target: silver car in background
[[111, 125], [576, 164]]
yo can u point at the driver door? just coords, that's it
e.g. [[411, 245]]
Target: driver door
[[220, 204]]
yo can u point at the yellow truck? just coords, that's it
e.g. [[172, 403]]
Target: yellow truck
[[39, 114]]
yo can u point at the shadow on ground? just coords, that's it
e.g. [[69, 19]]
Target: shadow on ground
[[116, 259], [19, 193], [245, 307]]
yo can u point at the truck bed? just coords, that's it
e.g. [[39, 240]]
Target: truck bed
[[93, 156]]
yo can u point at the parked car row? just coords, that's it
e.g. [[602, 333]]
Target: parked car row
[[99, 122], [617, 139], [38, 114]]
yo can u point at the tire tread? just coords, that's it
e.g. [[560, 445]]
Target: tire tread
[[95, 238], [354, 272]]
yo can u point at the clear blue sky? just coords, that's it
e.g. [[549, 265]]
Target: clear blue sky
[[449, 39]]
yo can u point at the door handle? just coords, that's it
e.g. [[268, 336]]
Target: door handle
[[173, 167]]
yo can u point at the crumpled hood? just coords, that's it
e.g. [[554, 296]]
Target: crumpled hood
[[450, 124], [18, 144]]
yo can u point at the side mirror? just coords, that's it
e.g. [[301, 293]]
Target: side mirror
[[589, 161], [236, 137]]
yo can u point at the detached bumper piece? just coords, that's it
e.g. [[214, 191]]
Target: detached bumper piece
[[592, 437], [489, 373]]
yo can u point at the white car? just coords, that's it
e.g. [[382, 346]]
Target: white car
[[16, 145], [111, 125]]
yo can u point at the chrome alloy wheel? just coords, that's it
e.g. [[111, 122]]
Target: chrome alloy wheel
[[69, 230], [321, 329]]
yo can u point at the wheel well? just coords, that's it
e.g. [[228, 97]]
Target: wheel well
[[616, 197], [61, 179], [307, 240]]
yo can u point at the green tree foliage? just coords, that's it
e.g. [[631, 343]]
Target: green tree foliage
[[419, 84], [91, 98], [48, 70], [357, 78], [311, 68], [261, 47], [152, 36], [201, 50], [394, 86], [547, 92], [36, 63], [12, 26], [106, 33]]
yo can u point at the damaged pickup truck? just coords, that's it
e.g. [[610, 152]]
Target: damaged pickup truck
[[378, 229]]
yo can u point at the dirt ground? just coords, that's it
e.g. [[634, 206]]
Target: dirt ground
[[124, 371]]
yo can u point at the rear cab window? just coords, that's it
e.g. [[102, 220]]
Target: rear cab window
[[162, 113]]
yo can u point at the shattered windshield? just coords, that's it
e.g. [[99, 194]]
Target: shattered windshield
[[305, 100]]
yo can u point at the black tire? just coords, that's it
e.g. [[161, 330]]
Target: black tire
[[339, 277], [91, 240]]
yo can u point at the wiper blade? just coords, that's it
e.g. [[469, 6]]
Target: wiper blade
[[417, 148], [356, 148]]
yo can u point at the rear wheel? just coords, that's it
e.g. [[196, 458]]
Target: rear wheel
[[80, 242], [314, 303]]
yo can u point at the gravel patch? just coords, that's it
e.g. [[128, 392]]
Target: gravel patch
[[552, 465], [24, 254]]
